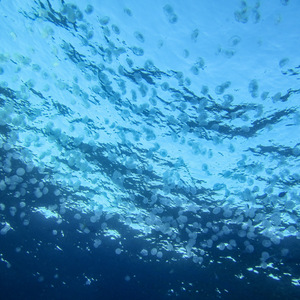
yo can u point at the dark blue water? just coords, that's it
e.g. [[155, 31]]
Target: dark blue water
[[149, 150]]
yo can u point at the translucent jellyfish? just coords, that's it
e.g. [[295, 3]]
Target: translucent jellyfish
[[94, 219], [118, 251], [225, 229], [214, 238], [285, 2], [264, 95], [233, 243], [97, 243], [20, 172], [2, 185], [77, 216], [264, 265], [89, 9], [115, 29], [289, 205], [138, 51], [153, 251], [128, 12], [13, 210], [104, 20], [209, 243], [26, 222], [253, 88], [5, 229], [285, 252], [227, 213], [194, 35], [265, 255], [221, 246], [266, 243], [242, 233], [144, 252], [283, 62], [139, 37], [169, 12], [249, 248], [234, 41], [38, 193]]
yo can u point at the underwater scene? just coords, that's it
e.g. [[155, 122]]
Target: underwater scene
[[149, 149]]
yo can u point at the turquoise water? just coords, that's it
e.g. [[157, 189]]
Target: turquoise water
[[174, 125]]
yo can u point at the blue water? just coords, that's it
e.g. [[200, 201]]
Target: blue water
[[149, 149]]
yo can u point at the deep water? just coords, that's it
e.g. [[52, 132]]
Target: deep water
[[149, 149]]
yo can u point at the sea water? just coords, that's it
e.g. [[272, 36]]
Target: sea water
[[149, 149]]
